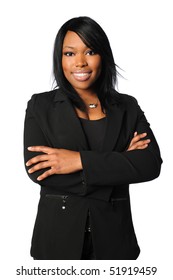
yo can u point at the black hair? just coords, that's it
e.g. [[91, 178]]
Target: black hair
[[95, 38]]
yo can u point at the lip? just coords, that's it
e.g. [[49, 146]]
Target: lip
[[81, 76]]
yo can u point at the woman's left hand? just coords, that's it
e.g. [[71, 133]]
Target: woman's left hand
[[138, 143], [60, 161]]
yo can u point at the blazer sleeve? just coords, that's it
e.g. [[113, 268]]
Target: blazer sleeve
[[33, 136], [116, 168]]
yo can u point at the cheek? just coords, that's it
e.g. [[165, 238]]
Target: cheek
[[65, 69], [97, 66], [96, 63], [66, 65]]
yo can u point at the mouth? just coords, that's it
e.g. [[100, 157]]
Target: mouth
[[81, 76]]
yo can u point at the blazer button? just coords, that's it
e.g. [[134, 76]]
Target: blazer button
[[64, 203]]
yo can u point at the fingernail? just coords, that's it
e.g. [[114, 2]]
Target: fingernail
[[29, 148], [39, 178]]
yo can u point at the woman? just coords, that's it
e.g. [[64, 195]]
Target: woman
[[84, 144]]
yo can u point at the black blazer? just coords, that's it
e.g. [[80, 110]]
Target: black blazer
[[102, 188]]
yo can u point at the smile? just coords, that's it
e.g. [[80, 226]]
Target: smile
[[81, 76]]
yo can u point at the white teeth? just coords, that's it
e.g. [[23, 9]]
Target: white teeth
[[81, 74]]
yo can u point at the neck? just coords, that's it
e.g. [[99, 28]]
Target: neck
[[87, 94], [89, 98]]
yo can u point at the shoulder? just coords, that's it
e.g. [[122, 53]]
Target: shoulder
[[127, 99], [43, 100], [43, 97], [127, 102], [122, 98]]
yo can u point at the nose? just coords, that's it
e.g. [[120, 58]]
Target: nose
[[81, 60]]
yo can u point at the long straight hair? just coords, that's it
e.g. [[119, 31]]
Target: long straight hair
[[95, 38]]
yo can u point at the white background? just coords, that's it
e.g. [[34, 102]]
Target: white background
[[140, 33]]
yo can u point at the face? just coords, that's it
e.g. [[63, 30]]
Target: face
[[81, 65]]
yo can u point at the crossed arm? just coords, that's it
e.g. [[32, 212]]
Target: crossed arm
[[63, 161]]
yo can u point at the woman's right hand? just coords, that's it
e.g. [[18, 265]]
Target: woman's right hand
[[137, 143]]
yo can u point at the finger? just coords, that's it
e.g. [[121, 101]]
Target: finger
[[142, 147], [137, 137], [36, 159], [46, 174], [40, 166], [43, 149], [137, 148], [142, 142], [139, 145]]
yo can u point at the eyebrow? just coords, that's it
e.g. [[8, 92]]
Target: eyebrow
[[69, 47], [73, 48]]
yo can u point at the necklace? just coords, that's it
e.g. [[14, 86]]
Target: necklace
[[93, 105]]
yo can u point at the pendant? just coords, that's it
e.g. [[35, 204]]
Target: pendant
[[92, 106]]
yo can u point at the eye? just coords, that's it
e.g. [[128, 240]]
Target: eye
[[68, 53], [90, 52]]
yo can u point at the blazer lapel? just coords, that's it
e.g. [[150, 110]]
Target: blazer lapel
[[69, 130], [115, 115]]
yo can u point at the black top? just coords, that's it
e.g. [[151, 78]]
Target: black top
[[95, 132]]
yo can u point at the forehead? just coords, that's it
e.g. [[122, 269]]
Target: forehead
[[73, 40]]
